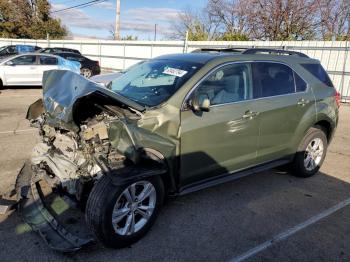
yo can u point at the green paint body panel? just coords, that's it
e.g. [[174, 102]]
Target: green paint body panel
[[200, 145], [220, 141]]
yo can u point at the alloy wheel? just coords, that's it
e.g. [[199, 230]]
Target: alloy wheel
[[313, 154], [133, 208]]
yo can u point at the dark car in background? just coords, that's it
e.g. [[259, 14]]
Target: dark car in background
[[17, 49], [53, 50], [88, 67]]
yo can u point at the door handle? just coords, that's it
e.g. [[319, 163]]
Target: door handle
[[250, 115], [303, 102], [33, 67]]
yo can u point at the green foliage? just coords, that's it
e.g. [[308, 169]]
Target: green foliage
[[232, 37], [24, 19], [129, 37], [197, 33]]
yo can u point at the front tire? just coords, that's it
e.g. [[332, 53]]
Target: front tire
[[121, 215], [311, 153]]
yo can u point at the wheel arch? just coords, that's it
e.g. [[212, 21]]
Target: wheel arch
[[158, 157], [151, 163], [328, 124]]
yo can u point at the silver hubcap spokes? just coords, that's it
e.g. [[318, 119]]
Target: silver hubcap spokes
[[86, 72], [313, 154], [133, 208]]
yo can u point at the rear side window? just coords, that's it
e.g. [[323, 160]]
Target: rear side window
[[47, 60], [272, 79], [72, 57], [300, 84], [317, 71]]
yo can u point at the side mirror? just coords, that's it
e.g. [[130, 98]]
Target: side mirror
[[10, 63], [201, 102]]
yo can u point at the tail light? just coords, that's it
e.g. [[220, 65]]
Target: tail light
[[97, 63], [337, 98]]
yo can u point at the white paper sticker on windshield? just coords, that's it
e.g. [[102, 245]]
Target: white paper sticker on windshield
[[175, 72]]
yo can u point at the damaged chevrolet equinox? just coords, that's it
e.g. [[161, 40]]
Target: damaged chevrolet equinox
[[173, 125]]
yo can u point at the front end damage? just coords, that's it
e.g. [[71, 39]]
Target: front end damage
[[86, 132]]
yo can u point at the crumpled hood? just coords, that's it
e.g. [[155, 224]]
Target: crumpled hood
[[62, 88]]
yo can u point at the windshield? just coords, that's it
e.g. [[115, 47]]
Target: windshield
[[153, 82], [3, 49]]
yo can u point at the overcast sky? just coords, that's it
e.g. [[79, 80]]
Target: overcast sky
[[137, 17]]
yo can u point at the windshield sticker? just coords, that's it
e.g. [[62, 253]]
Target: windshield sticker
[[175, 72]]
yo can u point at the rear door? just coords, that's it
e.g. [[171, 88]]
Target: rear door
[[283, 102], [46, 63], [224, 139], [22, 70]]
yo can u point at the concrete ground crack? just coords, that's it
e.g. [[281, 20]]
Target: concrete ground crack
[[339, 153], [17, 126]]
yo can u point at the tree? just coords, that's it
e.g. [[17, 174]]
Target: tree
[[208, 24], [200, 25], [282, 20], [231, 17], [29, 19], [335, 19]]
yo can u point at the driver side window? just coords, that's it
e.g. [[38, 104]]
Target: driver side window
[[24, 60], [228, 84]]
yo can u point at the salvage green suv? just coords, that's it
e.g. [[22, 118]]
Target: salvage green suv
[[173, 125]]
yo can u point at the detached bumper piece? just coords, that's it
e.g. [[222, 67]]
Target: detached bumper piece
[[49, 214]]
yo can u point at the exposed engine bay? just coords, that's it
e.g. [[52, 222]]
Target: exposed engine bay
[[68, 159]]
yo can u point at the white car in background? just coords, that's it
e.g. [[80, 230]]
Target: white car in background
[[28, 69]]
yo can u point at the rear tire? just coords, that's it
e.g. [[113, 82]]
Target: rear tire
[[107, 200], [311, 153], [86, 72]]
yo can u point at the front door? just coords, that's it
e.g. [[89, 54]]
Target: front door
[[22, 70], [224, 139]]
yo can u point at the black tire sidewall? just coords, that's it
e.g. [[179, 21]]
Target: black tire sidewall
[[299, 168], [109, 237]]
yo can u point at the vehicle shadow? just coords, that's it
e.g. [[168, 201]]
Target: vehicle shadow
[[209, 225], [20, 87]]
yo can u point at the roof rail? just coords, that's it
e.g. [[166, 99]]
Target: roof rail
[[273, 51], [219, 50]]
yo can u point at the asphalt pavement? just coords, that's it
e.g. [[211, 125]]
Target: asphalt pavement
[[270, 216]]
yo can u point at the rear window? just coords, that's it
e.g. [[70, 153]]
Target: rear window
[[48, 60], [318, 71]]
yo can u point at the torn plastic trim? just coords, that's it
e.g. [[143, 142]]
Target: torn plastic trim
[[38, 217]]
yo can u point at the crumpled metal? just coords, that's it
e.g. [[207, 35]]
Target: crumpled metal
[[62, 88]]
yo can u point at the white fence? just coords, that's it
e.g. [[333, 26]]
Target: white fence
[[117, 55]]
